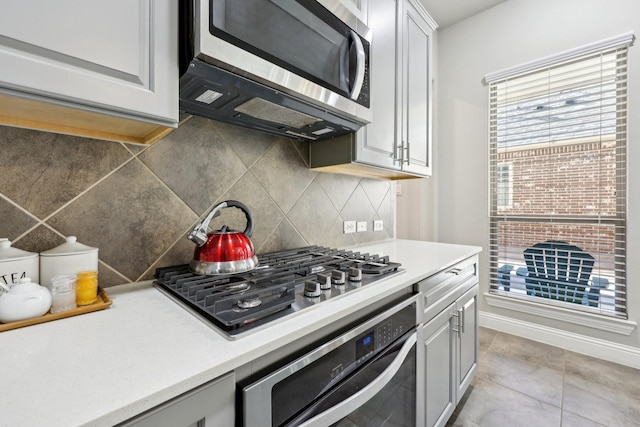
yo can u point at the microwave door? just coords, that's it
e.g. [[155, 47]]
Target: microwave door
[[300, 36]]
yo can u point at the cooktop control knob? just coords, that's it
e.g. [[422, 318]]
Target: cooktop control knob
[[355, 275], [325, 281], [338, 277], [312, 289]]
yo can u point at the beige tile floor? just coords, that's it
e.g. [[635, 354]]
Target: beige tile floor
[[523, 383]]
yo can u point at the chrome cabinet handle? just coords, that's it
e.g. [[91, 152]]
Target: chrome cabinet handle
[[459, 315], [456, 324], [408, 159], [355, 401], [397, 151]]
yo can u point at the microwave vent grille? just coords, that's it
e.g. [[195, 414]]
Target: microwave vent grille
[[265, 110]]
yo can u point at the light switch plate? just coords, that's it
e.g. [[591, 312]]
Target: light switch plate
[[362, 226], [378, 225]]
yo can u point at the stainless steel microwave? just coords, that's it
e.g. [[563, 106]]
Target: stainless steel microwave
[[298, 68]]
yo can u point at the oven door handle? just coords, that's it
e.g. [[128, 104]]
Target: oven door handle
[[352, 403]]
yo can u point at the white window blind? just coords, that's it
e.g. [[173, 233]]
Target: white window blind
[[558, 179]]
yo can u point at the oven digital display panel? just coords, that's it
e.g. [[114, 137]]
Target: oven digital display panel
[[365, 345]]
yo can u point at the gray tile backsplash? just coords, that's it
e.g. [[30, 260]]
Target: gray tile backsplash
[[137, 203]]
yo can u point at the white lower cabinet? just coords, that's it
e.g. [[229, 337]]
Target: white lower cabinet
[[210, 405], [439, 351], [467, 341], [450, 340]]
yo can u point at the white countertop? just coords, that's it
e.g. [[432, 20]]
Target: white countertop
[[104, 367]]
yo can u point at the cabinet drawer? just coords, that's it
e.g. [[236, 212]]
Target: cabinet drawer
[[444, 287]]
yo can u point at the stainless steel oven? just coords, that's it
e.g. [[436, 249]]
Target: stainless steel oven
[[364, 377]]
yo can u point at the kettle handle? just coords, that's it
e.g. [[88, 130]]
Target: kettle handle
[[235, 204], [199, 233]]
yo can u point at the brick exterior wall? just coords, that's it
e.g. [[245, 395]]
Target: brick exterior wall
[[566, 180]]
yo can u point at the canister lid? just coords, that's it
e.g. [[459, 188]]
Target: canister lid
[[70, 247], [8, 253]]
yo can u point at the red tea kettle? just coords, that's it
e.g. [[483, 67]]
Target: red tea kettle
[[223, 251]]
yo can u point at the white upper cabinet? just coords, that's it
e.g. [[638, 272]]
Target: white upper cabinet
[[117, 57], [397, 142], [415, 130], [399, 136], [375, 142]]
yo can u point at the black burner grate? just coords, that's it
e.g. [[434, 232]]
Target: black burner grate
[[273, 289]]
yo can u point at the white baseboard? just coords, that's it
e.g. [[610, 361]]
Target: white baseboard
[[606, 350]]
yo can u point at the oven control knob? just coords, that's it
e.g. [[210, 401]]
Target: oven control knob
[[355, 275], [338, 277], [325, 281], [312, 289]]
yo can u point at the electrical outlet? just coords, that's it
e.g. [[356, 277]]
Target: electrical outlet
[[349, 227], [362, 226], [378, 225]]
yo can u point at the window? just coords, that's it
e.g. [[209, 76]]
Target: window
[[558, 179]]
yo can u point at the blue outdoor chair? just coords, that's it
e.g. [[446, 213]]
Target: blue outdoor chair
[[559, 271]]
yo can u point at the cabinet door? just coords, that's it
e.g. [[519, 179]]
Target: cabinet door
[[118, 56], [375, 142], [467, 307], [416, 97], [439, 349]]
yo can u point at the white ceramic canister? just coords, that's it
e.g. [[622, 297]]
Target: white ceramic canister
[[70, 257], [16, 264]]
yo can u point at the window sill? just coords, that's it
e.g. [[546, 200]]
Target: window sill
[[609, 324]]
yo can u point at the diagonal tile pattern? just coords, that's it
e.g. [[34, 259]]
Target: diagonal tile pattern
[[520, 382], [313, 215], [145, 219], [14, 220], [195, 163], [45, 170], [338, 187], [284, 184], [137, 203]]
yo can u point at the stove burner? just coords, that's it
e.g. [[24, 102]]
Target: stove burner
[[284, 282], [249, 303]]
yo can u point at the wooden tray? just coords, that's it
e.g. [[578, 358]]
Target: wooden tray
[[101, 303]]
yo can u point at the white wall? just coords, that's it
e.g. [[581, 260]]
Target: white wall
[[414, 210], [512, 33]]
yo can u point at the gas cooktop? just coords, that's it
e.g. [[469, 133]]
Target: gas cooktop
[[283, 283]]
